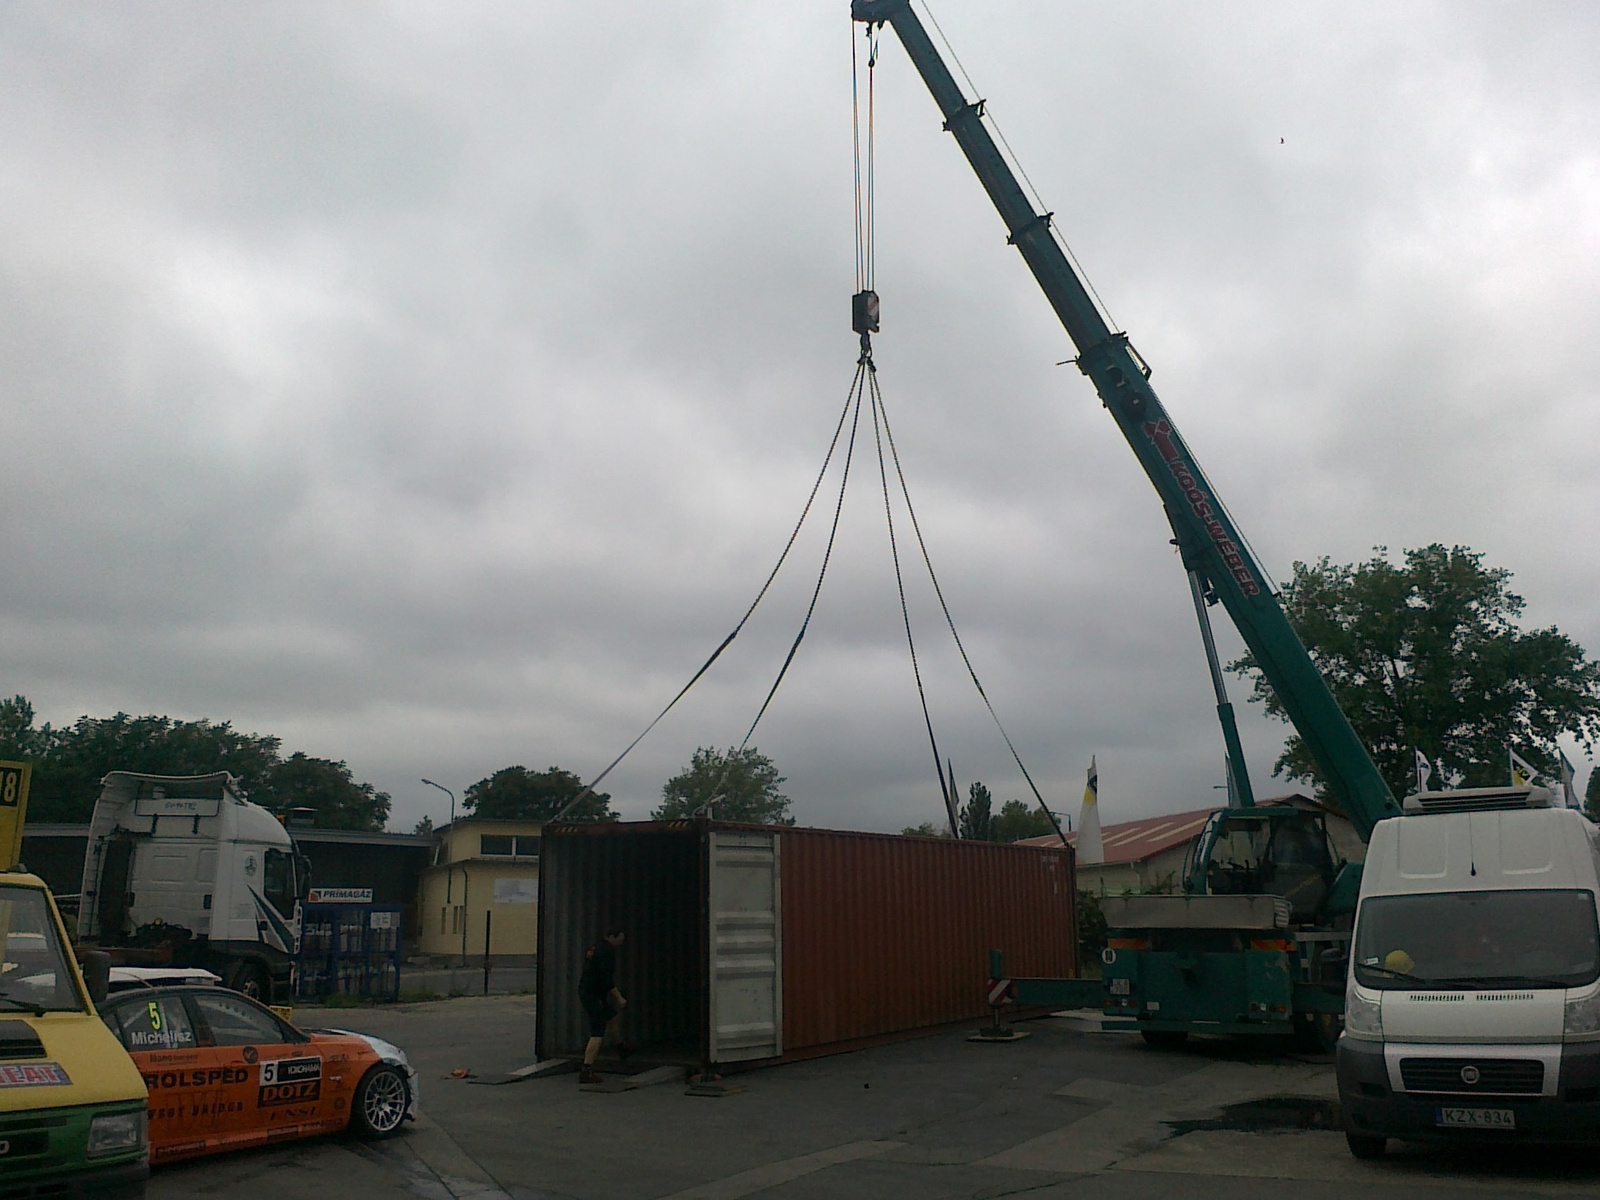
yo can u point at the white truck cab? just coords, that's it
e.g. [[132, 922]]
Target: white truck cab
[[1472, 1006], [184, 870]]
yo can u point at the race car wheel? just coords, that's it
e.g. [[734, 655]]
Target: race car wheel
[[379, 1108]]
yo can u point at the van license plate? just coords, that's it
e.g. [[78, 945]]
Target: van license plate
[[1475, 1118]]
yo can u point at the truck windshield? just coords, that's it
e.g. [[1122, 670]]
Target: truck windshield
[[34, 976], [1487, 939]]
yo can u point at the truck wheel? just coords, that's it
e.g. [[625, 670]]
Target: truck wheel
[[379, 1107], [1366, 1145], [251, 979], [1165, 1039]]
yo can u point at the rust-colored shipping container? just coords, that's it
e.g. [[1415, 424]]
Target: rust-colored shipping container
[[757, 943]]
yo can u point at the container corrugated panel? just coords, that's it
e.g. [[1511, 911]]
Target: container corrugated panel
[[883, 934], [880, 935], [648, 878]]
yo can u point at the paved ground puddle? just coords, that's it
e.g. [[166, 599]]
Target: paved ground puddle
[[1270, 1112]]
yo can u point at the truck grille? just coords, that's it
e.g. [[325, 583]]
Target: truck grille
[[1469, 1076]]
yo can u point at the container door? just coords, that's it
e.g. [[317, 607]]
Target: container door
[[746, 959]]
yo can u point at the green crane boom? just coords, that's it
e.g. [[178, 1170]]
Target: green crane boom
[[1210, 545]]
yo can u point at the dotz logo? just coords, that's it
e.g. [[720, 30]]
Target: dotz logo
[[290, 1081], [1160, 432]]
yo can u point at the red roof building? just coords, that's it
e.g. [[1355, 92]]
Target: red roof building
[[1147, 855]]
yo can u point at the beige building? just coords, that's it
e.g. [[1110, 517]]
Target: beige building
[[484, 877]]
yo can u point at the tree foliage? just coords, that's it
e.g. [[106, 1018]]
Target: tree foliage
[[1428, 656], [739, 785], [1591, 795], [301, 781], [976, 816], [518, 794], [978, 821], [927, 829], [1017, 820], [69, 763]]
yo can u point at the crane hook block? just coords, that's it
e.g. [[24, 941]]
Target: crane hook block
[[864, 312]]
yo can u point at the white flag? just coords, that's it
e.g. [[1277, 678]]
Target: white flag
[[1424, 771], [1090, 848], [1522, 771]]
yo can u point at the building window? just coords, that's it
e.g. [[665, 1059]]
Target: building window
[[507, 846], [497, 845], [441, 918]]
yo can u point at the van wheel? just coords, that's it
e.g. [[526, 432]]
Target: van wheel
[[1165, 1039], [379, 1107], [1366, 1145], [251, 979]]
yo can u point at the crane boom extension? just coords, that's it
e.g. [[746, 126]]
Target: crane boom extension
[[1207, 540]]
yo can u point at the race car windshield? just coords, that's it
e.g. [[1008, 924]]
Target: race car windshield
[[34, 975], [1469, 940]]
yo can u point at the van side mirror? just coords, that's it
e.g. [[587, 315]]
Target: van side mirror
[[96, 967]]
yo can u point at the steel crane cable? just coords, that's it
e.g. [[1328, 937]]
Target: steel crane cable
[[894, 453], [852, 399], [863, 372], [1016, 165], [865, 179], [905, 612]]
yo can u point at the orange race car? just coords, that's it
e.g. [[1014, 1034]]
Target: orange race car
[[224, 1072]]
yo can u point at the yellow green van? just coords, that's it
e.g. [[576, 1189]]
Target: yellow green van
[[73, 1107]]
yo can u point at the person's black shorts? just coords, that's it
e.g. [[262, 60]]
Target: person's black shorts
[[600, 1013]]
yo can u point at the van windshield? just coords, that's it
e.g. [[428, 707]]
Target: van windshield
[[1487, 939], [34, 976]]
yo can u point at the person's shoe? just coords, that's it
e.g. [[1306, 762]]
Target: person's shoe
[[588, 1075], [626, 1048]]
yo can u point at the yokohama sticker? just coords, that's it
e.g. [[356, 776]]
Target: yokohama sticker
[[1160, 432], [289, 1081], [48, 1074]]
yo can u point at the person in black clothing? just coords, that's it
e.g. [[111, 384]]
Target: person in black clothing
[[597, 991]]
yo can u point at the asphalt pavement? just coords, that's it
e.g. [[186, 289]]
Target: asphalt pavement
[[1065, 1112]]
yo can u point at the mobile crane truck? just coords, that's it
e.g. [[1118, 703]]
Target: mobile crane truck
[[1258, 942]]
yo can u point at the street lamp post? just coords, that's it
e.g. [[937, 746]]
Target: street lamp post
[[449, 876], [447, 792]]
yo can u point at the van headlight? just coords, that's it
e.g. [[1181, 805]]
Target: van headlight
[[1363, 1018], [117, 1133], [1582, 1016]]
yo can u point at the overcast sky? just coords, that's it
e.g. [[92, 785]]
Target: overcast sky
[[434, 385]]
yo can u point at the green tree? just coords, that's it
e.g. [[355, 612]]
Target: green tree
[[301, 781], [1428, 656], [926, 829], [976, 816], [70, 762], [1017, 820], [518, 794], [1091, 930], [739, 785], [1591, 795]]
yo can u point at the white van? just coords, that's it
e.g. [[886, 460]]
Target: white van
[[1472, 1008]]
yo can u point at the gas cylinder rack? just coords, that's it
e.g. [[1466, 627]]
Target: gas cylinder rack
[[348, 947]]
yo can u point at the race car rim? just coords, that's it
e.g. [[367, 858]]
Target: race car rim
[[384, 1104]]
